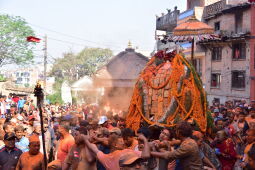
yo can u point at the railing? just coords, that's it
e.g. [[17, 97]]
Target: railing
[[168, 21], [215, 8]]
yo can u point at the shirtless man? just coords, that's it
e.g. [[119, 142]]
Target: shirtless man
[[79, 157], [33, 159]]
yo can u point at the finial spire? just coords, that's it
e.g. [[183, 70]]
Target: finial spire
[[129, 44]]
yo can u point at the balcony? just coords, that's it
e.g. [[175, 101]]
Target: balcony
[[167, 22], [214, 8]]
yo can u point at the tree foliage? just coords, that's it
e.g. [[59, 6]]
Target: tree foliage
[[13, 45], [73, 66], [55, 98]]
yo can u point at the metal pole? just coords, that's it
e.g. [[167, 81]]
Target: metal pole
[[38, 91], [192, 52], [45, 64]]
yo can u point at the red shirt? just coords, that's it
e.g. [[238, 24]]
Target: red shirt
[[64, 147]]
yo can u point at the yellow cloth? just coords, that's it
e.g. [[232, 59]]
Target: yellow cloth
[[246, 150]]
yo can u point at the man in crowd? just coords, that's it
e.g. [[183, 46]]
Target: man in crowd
[[8, 128], [65, 144], [187, 153], [128, 136], [104, 122], [225, 150], [207, 151], [79, 157], [33, 159], [111, 161], [251, 159], [9, 154], [22, 142], [250, 138], [131, 161], [21, 103]]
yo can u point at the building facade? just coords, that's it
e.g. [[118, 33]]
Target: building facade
[[229, 62]]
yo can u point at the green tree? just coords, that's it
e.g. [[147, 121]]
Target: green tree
[[55, 98], [13, 45], [73, 66]]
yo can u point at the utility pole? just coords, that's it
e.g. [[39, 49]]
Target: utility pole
[[45, 65]]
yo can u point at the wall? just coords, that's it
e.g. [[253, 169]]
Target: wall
[[192, 3], [227, 22], [225, 68], [252, 49], [209, 2], [235, 2], [226, 65]]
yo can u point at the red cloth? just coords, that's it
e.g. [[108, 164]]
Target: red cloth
[[228, 159], [64, 147], [15, 99]]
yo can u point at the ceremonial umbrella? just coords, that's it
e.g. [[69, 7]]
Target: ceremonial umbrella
[[192, 30]]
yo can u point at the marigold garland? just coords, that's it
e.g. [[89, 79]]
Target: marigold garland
[[177, 91]]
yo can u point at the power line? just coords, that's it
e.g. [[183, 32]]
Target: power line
[[75, 37]]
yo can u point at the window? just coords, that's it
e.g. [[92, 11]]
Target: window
[[216, 26], [26, 74], [216, 53], [239, 51], [198, 66], [216, 100], [238, 22], [215, 80], [238, 79], [19, 80]]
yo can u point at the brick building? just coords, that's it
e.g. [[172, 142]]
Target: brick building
[[230, 65], [194, 8]]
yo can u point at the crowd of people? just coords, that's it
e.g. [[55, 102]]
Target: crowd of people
[[78, 138]]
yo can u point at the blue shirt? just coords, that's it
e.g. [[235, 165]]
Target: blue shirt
[[22, 144], [21, 103]]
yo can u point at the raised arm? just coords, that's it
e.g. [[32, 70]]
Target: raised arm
[[92, 147], [146, 149]]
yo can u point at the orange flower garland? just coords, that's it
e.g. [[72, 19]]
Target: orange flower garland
[[177, 92]]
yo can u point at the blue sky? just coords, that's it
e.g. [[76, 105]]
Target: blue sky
[[97, 23]]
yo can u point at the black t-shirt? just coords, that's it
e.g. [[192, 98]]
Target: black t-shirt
[[9, 159]]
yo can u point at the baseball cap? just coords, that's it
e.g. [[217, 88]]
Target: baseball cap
[[128, 158], [115, 130], [216, 111], [102, 120], [9, 136]]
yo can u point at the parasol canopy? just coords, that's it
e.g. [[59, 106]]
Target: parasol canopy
[[192, 29]]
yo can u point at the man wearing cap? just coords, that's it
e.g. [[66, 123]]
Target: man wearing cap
[[9, 154], [130, 161], [21, 142], [33, 159], [103, 121], [30, 125], [217, 114]]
